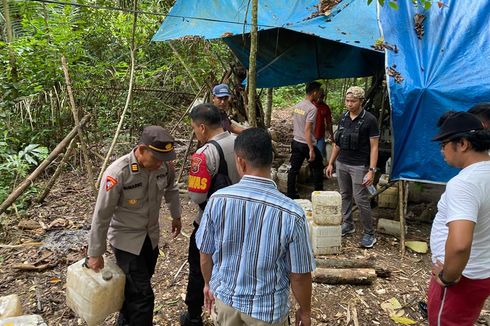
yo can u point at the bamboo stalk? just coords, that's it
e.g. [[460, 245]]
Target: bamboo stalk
[[184, 160], [128, 98], [179, 57], [30, 179], [251, 81], [74, 110]]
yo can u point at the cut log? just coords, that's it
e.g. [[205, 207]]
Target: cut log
[[355, 276], [389, 227], [345, 263]]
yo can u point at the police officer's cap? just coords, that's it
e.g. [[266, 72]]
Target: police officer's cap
[[160, 142]]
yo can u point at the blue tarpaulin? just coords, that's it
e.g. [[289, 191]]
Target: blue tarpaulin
[[444, 70], [296, 44], [447, 69]]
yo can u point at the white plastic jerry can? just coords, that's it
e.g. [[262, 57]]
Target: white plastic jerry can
[[10, 306], [26, 320], [325, 239], [327, 207], [93, 296]]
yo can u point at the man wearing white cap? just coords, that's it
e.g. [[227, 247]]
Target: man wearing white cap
[[221, 98]]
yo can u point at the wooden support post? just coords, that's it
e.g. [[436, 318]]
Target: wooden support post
[[74, 110], [401, 209], [30, 179], [268, 107], [252, 65], [57, 173]]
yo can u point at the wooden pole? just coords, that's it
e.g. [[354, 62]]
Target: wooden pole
[[251, 81], [401, 209], [10, 39], [268, 107], [74, 110], [128, 98], [57, 173], [30, 179]]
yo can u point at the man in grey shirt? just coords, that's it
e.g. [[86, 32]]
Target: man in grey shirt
[[303, 144]]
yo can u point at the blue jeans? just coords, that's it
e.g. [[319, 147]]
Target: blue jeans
[[321, 145]]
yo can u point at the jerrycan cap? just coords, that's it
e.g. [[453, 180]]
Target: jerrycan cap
[[106, 275]]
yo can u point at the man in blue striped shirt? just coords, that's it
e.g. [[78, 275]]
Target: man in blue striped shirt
[[254, 244]]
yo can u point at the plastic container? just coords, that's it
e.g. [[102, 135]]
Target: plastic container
[[26, 320], [388, 166], [282, 177], [384, 179], [327, 207], [93, 296], [10, 306], [307, 207], [388, 198], [325, 239]]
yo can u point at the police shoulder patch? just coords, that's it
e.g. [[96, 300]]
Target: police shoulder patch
[[110, 182]]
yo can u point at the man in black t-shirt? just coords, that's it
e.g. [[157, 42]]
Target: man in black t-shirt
[[356, 152]]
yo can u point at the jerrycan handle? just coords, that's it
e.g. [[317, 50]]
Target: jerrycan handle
[[106, 275]]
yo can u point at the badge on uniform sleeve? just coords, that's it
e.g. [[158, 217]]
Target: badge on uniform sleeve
[[199, 177], [110, 182]]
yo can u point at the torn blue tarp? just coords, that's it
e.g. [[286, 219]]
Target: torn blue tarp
[[446, 69], [296, 43]]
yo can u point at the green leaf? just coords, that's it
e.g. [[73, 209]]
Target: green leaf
[[393, 5], [381, 2], [427, 5], [369, 2]]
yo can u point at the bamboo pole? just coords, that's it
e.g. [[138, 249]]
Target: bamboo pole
[[401, 209], [30, 179], [128, 98], [251, 81], [184, 160], [57, 173], [179, 57], [74, 110]]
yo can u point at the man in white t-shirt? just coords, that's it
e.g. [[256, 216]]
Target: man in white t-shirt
[[460, 236]]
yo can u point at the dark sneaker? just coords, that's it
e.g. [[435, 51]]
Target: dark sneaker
[[186, 320], [368, 240], [347, 229]]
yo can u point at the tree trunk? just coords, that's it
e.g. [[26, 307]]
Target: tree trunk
[[30, 179], [252, 116], [345, 263]]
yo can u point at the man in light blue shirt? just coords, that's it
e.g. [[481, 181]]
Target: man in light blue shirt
[[254, 244]]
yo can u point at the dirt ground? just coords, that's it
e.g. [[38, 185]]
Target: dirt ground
[[61, 225]]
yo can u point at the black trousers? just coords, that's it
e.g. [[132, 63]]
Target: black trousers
[[139, 300], [300, 152], [194, 298]]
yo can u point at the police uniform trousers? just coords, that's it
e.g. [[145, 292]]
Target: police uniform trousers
[[300, 152], [194, 298], [139, 300]]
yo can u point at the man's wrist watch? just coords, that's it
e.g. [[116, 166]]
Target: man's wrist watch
[[373, 170], [446, 283]]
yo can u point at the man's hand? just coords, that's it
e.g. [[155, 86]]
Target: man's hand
[[302, 318], [208, 298], [436, 269], [368, 179], [312, 155], [176, 226], [329, 170], [95, 263]]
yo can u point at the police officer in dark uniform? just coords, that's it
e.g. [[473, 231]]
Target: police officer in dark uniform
[[127, 213]]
